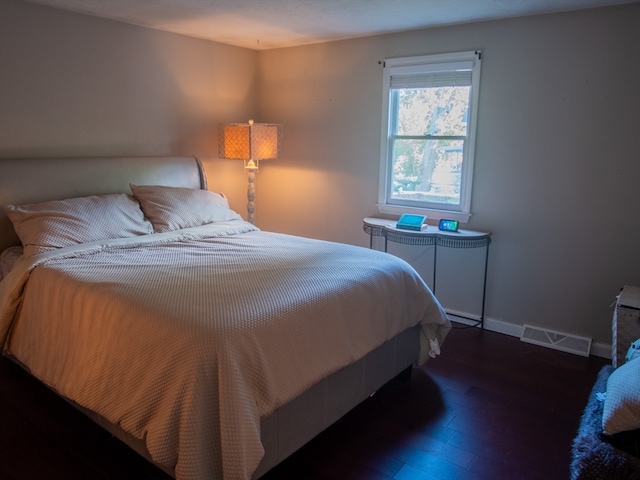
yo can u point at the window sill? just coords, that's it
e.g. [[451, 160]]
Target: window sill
[[430, 213]]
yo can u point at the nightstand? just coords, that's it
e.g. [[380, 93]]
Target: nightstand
[[431, 235]]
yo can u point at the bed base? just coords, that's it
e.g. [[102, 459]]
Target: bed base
[[292, 426]]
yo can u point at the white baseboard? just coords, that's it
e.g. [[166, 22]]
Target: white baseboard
[[603, 350], [597, 349]]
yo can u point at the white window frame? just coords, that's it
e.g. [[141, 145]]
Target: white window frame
[[420, 66]]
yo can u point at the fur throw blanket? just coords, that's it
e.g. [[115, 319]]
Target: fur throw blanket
[[593, 457]]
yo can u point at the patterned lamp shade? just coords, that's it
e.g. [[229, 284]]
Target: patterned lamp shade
[[249, 142]]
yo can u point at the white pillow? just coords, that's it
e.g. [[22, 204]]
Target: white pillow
[[622, 403], [61, 223], [173, 208]]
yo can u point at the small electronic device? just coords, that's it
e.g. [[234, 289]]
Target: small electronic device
[[448, 225], [409, 221]]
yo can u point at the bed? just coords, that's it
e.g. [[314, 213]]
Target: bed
[[212, 348]]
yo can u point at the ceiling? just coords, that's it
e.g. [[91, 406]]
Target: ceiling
[[265, 24]]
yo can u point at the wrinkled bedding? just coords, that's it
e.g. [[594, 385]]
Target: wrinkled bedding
[[186, 339]]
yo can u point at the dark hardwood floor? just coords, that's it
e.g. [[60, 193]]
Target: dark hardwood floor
[[490, 407]]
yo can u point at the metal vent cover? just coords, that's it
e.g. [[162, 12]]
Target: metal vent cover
[[557, 340]]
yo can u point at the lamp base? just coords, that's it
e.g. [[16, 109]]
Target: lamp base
[[251, 195], [251, 165]]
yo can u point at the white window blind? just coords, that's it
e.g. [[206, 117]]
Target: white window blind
[[458, 75]]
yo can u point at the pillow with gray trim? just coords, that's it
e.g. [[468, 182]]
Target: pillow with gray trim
[[61, 223], [173, 208]]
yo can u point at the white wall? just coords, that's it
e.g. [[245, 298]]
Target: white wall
[[557, 165], [75, 85]]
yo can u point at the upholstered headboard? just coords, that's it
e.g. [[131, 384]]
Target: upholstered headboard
[[32, 180]]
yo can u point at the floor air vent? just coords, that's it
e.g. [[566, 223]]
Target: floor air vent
[[556, 340]]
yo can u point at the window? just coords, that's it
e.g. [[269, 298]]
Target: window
[[428, 134]]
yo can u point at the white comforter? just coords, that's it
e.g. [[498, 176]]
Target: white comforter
[[186, 339]]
